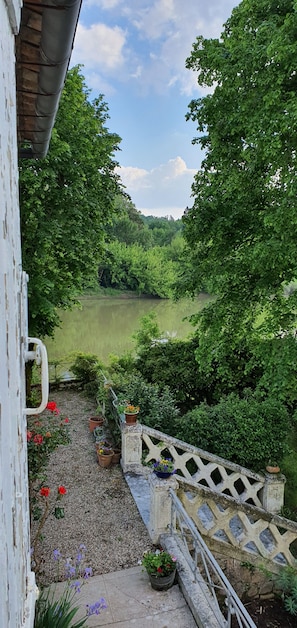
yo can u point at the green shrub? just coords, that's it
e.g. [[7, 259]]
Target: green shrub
[[173, 364], [286, 581], [87, 368], [246, 431], [157, 405]]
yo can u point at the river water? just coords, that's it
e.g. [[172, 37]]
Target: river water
[[105, 326]]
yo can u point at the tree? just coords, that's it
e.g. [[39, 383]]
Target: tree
[[66, 201], [241, 228]]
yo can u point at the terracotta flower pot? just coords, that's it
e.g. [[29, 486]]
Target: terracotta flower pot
[[131, 419], [116, 456], [104, 460], [272, 469], [95, 421]]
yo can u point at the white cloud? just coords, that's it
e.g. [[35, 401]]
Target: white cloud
[[161, 212], [99, 46], [104, 4], [166, 31], [167, 186], [154, 21]]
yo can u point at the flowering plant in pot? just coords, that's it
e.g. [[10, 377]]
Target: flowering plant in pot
[[161, 568], [125, 407], [164, 467], [104, 453], [129, 410]]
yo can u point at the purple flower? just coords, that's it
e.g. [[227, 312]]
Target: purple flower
[[76, 585], [79, 558], [70, 571], [94, 609], [88, 572], [56, 554]]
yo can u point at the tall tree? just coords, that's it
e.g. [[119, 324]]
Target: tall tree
[[66, 201], [241, 228]]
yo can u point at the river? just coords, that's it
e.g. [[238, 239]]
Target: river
[[105, 326]]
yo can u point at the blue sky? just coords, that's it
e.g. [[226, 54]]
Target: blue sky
[[134, 52]]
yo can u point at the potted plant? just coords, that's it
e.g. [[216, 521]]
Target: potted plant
[[96, 421], [164, 468], [161, 569], [130, 411], [98, 433], [272, 467], [104, 454]]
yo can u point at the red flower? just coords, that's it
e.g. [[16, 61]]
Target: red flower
[[160, 569], [52, 406], [66, 420], [62, 490], [38, 439], [29, 436], [45, 491]]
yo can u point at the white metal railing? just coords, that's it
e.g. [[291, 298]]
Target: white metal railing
[[207, 571]]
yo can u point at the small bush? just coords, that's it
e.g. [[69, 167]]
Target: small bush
[[157, 406], [286, 582], [86, 368], [246, 431]]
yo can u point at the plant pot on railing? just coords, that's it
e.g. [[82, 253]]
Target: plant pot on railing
[[131, 413], [131, 418], [164, 468], [273, 468]]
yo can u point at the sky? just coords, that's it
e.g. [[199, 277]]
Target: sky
[[134, 52]]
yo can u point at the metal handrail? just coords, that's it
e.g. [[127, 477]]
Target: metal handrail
[[234, 606]]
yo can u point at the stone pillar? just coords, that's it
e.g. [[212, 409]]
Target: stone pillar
[[160, 506], [131, 448], [273, 492]]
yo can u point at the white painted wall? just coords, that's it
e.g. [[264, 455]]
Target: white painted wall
[[17, 585]]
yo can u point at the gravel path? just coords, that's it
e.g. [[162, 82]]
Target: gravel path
[[99, 509]]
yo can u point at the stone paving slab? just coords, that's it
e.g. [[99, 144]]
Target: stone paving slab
[[132, 602]]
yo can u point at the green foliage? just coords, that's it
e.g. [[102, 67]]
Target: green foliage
[[147, 332], [122, 365], [87, 368], [65, 199], [59, 613], [163, 229], [278, 357], [135, 268], [173, 364], [158, 563], [286, 581], [127, 225], [246, 431], [240, 232], [44, 435], [179, 364], [157, 404]]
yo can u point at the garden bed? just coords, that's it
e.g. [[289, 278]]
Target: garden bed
[[100, 511]]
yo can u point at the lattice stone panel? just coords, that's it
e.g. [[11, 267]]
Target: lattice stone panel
[[240, 525], [204, 468]]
